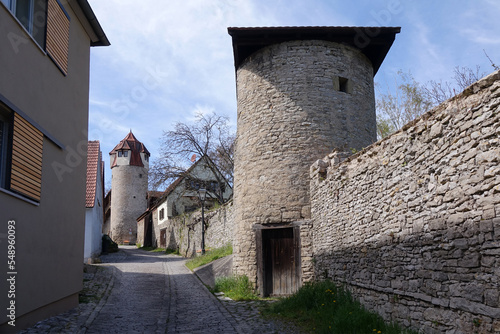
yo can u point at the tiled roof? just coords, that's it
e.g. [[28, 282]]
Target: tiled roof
[[135, 146], [93, 155], [154, 193], [162, 196]]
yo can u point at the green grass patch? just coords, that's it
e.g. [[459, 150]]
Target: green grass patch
[[148, 249], [235, 287], [153, 249], [172, 251], [159, 250], [210, 256], [323, 307]]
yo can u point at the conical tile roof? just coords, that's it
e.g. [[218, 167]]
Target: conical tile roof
[[130, 143]]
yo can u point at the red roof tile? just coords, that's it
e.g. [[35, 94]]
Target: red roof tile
[[135, 146], [93, 157]]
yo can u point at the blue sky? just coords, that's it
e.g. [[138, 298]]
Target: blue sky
[[170, 59]]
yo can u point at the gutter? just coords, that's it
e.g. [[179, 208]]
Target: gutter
[[89, 14]]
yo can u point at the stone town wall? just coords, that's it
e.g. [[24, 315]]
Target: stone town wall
[[411, 224], [297, 101], [184, 232]]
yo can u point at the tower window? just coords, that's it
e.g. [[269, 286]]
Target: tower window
[[342, 84], [162, 214]]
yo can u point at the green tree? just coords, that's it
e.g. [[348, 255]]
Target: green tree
[[396, 109]]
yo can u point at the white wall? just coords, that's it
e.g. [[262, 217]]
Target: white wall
[[93, 222]]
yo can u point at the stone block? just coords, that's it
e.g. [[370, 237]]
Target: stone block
[[439, 276], [436, 130], [472, 291], [469, 261], [486, 225], [437, 224], [492, 171], [457, 218], [440, 302], [488, 156], [461, 243], [473, 307], [496, 227], [491, 297], [306, 212]]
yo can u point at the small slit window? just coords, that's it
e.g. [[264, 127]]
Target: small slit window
[[342, 84]]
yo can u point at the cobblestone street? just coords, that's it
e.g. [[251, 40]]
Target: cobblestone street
[[135, 291]]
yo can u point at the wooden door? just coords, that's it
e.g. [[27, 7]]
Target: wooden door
[[280, 261], [148, 231], [163, 238]]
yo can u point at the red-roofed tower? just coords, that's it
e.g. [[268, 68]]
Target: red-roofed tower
[[129, 186]]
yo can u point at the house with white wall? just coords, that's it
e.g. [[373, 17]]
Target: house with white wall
[[182, 197], [94, 212]]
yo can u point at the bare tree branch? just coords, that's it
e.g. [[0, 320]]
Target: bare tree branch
[[412, 99], [208, 136]]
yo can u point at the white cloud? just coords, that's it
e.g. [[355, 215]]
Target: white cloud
[[168, 59]]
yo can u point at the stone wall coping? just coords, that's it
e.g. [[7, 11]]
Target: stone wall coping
[[334, 160]]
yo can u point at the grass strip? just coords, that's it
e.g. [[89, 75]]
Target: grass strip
[[324, 307], [235, 287], [209, 256]]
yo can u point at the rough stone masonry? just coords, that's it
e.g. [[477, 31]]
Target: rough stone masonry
[[412, 223], [290, 112]]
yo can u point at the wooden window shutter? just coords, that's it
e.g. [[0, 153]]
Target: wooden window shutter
[[27, 148], [57, 44]]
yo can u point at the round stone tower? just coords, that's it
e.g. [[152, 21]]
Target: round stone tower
[[301, 92], [129, 186]]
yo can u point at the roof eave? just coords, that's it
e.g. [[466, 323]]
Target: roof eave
[[374, 42], [96, 26]]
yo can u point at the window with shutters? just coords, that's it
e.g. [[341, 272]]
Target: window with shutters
[[48, 23], [58, 34], [32, 14], [21, 155]]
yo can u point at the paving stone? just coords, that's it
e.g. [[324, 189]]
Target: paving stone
[[134, 291]]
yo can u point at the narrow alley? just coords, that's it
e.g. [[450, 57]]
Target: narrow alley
[[146, 292]]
